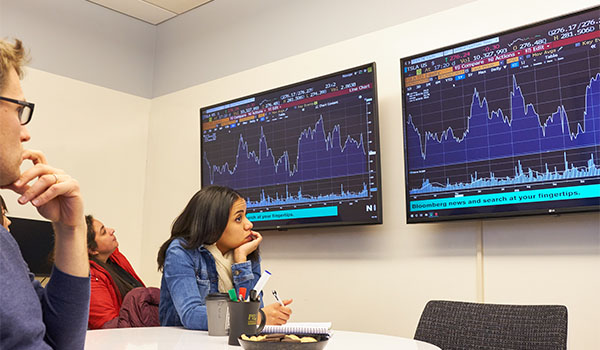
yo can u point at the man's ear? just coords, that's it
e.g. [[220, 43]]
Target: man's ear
[[92, 252]]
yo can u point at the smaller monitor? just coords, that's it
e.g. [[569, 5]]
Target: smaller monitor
[[36, 241], [302, 155]]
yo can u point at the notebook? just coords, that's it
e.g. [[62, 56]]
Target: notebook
[[300, 328]]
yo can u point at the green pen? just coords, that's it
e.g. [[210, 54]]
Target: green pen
[[232, 295]]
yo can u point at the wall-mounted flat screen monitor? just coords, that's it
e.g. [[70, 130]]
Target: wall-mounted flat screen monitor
[[36, 241], [505, 125], [305, 154]]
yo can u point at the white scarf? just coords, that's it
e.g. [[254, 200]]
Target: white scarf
[[223, 263]]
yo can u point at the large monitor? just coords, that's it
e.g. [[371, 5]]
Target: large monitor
[[305, 154], [505, 125], [36, 241]]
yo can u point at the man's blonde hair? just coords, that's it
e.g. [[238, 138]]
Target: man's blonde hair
[[11, 56]]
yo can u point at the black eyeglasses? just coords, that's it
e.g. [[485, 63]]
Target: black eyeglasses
[[25, 111]]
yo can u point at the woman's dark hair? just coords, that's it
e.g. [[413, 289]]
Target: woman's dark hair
[[3, 208], [91, 234], [203, 220]]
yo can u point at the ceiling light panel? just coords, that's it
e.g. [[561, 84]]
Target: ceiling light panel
[[178, 6], [139, 9]]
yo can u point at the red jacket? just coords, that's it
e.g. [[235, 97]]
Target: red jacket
[[105, 299]]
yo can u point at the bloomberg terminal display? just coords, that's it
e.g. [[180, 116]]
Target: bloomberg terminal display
[[505, 125], [305, 154]]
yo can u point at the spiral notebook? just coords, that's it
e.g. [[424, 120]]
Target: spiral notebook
[[300, 328]]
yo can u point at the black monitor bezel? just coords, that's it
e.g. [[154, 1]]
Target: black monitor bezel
[[376, 134], [482, 215]]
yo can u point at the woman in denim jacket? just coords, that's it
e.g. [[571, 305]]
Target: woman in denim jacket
[[212, 249]]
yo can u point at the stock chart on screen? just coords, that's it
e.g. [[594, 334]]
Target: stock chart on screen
[[505, 125], [305, 154]]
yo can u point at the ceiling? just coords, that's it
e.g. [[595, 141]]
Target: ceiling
[[151, 11]]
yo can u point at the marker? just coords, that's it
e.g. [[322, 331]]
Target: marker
[[232, 295], [242, 293], [261, 283], [253, 296], [277, 298]]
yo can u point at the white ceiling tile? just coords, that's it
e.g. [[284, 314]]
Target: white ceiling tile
[[138, 9], [178, 6]]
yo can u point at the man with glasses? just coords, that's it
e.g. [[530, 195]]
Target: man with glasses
[[25, 111], [33, 317]]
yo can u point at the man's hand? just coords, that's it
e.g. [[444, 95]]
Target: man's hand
[[57, 197], [55, 194]]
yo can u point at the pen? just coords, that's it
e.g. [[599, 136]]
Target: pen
[[242, 293], [253, 296], [261, 283], [277, 298]]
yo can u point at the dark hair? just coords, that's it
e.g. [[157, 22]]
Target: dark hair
[[91, 234], [3, 208], [203, 220]]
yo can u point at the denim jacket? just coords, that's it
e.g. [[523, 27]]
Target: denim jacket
[[189, 275]]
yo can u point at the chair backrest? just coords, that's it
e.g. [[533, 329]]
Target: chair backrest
[[461, 325]]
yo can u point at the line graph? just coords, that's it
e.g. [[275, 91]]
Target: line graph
[[319, 155], [494, 131]]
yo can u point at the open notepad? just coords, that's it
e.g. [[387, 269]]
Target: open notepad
[[300, 328]]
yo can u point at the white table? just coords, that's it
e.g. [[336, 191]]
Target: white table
[[174, 338]]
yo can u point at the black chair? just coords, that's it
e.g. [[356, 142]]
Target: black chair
[[454, 325]]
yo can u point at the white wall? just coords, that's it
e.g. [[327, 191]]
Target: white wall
[[98, 136], [228, 36], [84, 41], [138, 164], [389, 271]]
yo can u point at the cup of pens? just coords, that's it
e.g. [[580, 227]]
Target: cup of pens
[[243, 319]]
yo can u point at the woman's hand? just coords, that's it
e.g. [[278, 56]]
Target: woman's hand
[[277, 314], [241, 253]]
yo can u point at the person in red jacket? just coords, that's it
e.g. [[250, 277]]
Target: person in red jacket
[[112, 276]]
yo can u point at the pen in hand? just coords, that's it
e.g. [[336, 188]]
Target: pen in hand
[[277, 298]]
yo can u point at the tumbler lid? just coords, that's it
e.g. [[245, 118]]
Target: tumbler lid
[[217, 296]]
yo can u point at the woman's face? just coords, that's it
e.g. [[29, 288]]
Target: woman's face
[[5, 220], [238, 230], [105, 239]]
